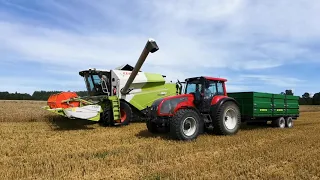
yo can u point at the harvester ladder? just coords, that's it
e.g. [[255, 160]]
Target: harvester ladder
[[115, 105]]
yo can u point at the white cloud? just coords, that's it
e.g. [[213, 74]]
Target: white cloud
[[236, 34], [279, 81], [179, 41]]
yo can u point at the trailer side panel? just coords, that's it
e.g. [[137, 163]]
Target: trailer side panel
[[266, 106]]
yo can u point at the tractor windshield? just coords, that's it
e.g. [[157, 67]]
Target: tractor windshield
[[193, 86]]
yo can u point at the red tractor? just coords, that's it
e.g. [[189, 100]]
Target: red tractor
[[203, 104]]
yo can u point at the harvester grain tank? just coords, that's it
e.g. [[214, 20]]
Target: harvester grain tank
[[206, 104], [115, 97]]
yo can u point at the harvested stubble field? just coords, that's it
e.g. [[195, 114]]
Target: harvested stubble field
[[38, 145]]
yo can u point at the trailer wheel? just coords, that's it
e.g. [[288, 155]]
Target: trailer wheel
[[228, 119], [289, 122], [125, 113], [279, 122], [185, 125]]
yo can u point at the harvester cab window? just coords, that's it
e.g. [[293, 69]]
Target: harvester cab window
[[95, 84], [91, 86], [96, 80]]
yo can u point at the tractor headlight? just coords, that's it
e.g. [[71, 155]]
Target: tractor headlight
[[168, 106]]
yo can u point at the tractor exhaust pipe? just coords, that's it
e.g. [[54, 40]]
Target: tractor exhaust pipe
[[152, 47]]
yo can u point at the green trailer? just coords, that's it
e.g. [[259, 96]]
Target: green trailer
[[258, 107]]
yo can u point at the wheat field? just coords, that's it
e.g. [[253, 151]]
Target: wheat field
[[36, 144]]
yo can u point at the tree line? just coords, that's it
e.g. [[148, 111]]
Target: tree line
[[305, 99], [36, 95]]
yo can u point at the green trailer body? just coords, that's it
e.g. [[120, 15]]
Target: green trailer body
[[266, 106]]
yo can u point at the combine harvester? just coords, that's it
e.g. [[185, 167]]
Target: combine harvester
[[117, 96]]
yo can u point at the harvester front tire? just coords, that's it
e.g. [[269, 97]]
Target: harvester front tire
[[126, 109], [106, 117], [228, 119], [185, 125]]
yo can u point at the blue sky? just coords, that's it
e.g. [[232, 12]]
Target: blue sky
[[266, 46]]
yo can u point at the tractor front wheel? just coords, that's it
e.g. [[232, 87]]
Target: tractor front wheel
[[228, 119], [185, 125]]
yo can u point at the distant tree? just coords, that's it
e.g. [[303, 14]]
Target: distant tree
[[306, 95], [316, 98], [306, 99], [289, 92]]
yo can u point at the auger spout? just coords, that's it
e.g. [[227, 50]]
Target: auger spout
[[151, 46]]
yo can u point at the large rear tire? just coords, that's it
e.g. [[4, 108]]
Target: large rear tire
[[228, 119], [126, 113], [185, 125]]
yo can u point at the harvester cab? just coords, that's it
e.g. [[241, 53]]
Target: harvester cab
[[97, 82]]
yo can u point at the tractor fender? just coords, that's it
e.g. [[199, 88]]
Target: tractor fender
[[189, 107], [214, 108]]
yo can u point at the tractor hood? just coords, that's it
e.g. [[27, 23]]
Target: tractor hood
[[157, 102], [179, 96], [166, 105]]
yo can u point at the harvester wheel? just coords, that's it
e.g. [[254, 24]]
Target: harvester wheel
[[106, 117], [289, 122], [126, 113], [279, 122], [185, 125], [228, 119]]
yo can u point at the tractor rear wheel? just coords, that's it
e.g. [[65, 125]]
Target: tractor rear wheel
[[185, 125], [228, 119]]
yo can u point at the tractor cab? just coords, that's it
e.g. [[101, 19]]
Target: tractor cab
[[204, 89], [97, 82]]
